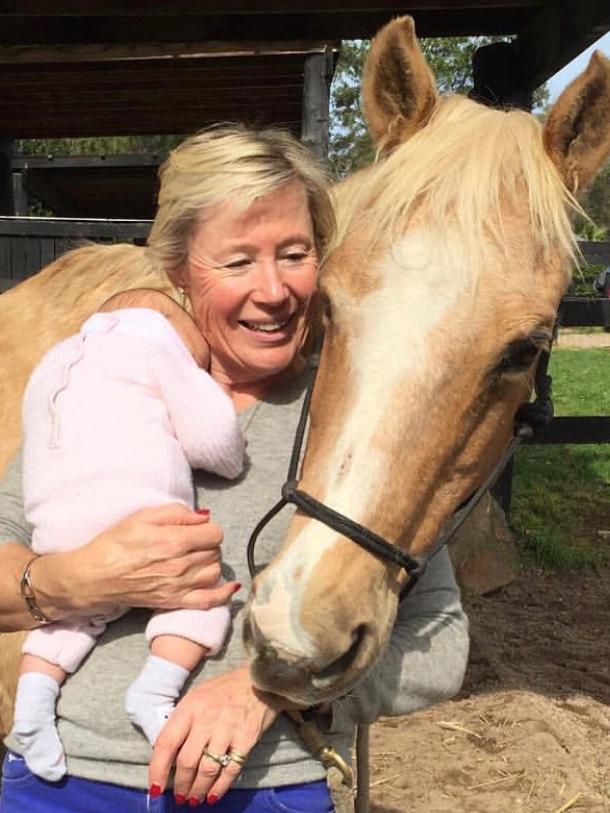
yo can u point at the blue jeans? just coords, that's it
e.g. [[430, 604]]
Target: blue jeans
[[23, 792]]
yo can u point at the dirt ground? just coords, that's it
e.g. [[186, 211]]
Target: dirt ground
[[575, 338], [530, 731]]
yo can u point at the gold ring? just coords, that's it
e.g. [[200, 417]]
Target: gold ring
[[237, 756], [222, 760]]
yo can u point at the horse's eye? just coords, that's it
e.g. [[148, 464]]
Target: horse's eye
[[520, 355]]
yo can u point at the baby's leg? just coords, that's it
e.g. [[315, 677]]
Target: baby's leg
[[151, 698], [34, 722], [178, 639], [50, 652], [178, 650]]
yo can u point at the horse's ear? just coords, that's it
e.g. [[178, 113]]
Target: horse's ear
[[577, 130], [398, 88]]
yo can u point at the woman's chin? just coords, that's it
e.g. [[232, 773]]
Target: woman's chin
[[270, 354], [272, 364]]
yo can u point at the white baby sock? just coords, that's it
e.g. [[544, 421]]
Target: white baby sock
[[152, 696], [34, 727]]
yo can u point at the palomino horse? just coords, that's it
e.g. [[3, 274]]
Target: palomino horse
[[453, 253], [454, 250]]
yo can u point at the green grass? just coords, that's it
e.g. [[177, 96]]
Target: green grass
[[561, 494]]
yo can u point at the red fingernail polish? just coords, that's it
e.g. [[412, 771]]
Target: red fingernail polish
[[179, 798], [237, 587], [193, 801], [203, 512], [212, 799], [154, 791]]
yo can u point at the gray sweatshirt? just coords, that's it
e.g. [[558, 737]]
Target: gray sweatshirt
[[423, 663]]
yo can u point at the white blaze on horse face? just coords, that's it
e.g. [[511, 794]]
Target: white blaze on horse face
[[390, 329], [277, 607], [389, 333]]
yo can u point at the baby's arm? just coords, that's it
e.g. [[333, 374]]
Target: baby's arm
[[202, 415]]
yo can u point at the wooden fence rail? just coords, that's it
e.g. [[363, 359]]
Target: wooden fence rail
[[27, 244]]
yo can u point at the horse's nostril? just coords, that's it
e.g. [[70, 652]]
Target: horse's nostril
[[337, 667]]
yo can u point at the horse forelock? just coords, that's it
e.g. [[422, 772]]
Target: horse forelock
[[465, 173]]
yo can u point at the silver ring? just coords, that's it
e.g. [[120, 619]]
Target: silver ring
[[222, 760]]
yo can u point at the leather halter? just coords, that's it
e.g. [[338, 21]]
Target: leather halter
[[529, 416]]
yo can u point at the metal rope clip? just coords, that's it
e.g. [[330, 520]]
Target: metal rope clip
[[316, 743]]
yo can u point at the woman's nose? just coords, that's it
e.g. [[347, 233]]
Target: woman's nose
[[270, 287]]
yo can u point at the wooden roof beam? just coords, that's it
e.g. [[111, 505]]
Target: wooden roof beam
[[115, 51], [329, 25], [558, 34], [165, 8]]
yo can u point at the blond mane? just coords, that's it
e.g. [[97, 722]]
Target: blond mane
[[469, 168]]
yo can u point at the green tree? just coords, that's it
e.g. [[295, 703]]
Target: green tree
[[450, 59], [102, 145]]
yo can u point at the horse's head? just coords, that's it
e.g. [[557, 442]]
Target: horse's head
[[454, 250]]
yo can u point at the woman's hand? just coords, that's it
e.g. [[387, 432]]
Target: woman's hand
[[218, 715], [166, 557]]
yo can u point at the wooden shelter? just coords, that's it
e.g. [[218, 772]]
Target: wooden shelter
[[94, 186], [106, 67]]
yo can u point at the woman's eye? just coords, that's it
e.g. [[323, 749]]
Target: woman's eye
[[243, 262], [295, 256]]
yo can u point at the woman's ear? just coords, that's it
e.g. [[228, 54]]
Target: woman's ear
[[177, 277], [577, 131], [398, 89]]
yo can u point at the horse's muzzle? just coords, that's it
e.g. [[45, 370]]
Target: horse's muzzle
[[305, 680]]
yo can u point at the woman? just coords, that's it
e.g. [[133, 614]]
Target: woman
[[243, 219]]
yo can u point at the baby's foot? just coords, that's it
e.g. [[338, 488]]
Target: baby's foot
[[151, 698], [34, 728]]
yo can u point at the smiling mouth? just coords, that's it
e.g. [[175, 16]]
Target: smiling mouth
[[267, 326]]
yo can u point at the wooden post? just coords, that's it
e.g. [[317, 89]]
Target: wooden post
[[316, 96], [20, 196], [362, 769], [7, 206], [498, 77]]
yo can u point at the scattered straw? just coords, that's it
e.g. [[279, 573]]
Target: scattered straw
[[569, 804], [458, 727], [384, 780], [518, 775]]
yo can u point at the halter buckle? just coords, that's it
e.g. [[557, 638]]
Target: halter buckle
[[288, 489]]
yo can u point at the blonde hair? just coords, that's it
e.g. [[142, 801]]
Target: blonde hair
[[237, 162]]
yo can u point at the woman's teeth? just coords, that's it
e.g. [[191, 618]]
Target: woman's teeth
[[265, 327]]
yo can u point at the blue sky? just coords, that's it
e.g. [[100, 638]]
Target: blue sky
[[557, 83]]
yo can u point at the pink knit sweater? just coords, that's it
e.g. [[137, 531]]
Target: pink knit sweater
[[114, 419]]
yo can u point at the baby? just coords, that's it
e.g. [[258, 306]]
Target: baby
[[114, 418]]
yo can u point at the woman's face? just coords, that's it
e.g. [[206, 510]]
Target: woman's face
[[250, 275]]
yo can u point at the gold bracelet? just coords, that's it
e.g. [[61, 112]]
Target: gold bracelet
[[28, 595]]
